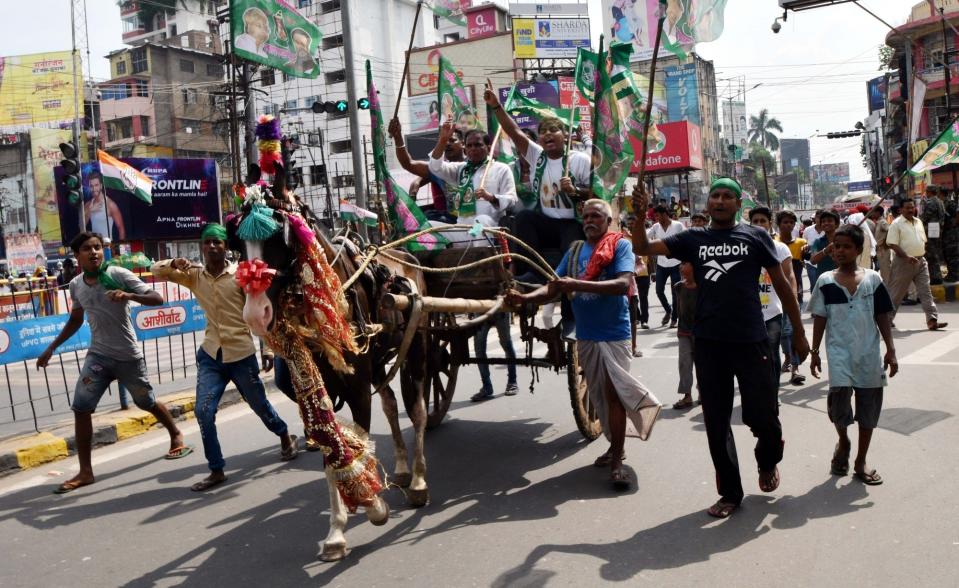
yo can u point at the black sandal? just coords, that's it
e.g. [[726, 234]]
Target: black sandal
[[604, 460]]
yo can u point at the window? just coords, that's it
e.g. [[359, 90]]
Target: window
[[186, 66], [189, 125], [450, 37], [343, 181], [189, 95], [114, 91], [304, 3], [143, 88], [144, 125], [333, 41], [121, 68], [436, 22], [317, 175], [289, 105], [313, 139], [335, 77], [214, 69], [121, 128], [139, 58], [267, 78], [329, 6], [132, 24], [344, 146]]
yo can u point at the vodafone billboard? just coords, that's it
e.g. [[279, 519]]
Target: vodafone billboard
[[673, 147]]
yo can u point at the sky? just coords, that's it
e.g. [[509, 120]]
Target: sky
[[813, 73]]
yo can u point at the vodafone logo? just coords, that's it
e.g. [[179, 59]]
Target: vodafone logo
[[161, 318], [4, 341]]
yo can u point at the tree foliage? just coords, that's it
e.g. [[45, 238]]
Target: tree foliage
[[761, 129]]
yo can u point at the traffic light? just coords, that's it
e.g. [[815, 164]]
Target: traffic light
[[843, 134], [331, 107], [363, 103], [71, 173], [317, 107], [887, 181], [293, 174]]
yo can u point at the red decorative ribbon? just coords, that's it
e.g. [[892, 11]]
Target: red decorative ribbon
[[254, 276]]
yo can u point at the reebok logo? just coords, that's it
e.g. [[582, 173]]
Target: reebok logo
[[718, 270], [738, 249]]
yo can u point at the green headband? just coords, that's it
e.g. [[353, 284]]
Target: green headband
[[728, 183], [213, 231]]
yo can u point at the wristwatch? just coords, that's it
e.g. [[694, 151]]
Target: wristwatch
[[814, 351]]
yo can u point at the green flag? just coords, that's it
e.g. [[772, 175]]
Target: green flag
[[587, 64], [696, 21], [624, 86], [451, 10], [612, 151], [404, 214], [453, 98], [276, 35], [517, 104], [943, 151]]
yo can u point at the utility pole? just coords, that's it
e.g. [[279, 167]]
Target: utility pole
[[76, 101], [250, 118], [358, 183], [946, 53]]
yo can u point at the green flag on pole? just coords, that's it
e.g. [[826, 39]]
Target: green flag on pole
[[587, 63], [517, 104], [451, 10], [276, 35], [612, 150], [453, 99], [943, 151], [404, 214], [626, 89]]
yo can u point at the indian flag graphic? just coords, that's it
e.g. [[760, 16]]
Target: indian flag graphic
[[122, 176], [353, 213]]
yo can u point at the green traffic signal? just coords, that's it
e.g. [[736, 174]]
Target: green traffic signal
[[342, 106], [363, 103], [72, 182]]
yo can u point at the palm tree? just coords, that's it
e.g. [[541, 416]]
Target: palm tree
[[761, 130]]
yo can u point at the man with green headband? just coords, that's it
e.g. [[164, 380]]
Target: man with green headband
[[227, 353], [103, 294], [730, 333]]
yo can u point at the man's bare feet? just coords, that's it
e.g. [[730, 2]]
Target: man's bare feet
[[77, 481], [215, 478]]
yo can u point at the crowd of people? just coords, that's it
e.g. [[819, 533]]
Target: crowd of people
[[735, 299]]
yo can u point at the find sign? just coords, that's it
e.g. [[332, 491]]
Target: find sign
[[363, 103]]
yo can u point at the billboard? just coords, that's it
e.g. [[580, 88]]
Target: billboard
[[274, 33], [471, 59], [569, 96], [660, 113], [36, 91], [24, 252], [794, 154], [735, 127], [634, 21], [863, 186], [876, 93], [424, 113], [546, 92], [673, 147], [682, 93], [835, 173], [549, 38], [185, 198], [45, 155]]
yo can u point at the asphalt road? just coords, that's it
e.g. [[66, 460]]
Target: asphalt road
[[515, 501]]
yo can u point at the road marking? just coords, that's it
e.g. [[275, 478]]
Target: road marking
[[929, 353]]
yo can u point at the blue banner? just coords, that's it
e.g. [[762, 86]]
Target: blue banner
[[26, 339], [682, 93], [864, 186]]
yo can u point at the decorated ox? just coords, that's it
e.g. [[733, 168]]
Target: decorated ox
[[335, 343]]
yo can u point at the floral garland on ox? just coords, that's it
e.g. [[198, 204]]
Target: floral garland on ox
[[322, 326]]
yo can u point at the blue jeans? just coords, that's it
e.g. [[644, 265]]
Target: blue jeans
[[787, 342], [506, 342], [211, 380], [674, 277]]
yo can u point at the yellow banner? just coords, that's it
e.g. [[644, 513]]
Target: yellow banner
[[45, 152], [524, 38], [36, 90]]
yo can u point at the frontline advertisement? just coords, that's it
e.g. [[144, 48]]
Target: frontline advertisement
[[274, 33], [185, 197], [549, 38], [682, 93], [36, 91], [45, 155]]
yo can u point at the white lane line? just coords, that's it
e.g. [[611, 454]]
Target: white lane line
[[118, 450], [929, 353]]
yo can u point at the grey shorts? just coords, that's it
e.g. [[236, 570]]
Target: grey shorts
[[868, 406], [97, 374]]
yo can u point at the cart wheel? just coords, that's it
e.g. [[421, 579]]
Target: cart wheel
[[442, 374], [587, 420]]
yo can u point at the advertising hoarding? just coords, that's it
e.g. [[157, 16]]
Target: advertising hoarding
[[735, 127], [634, 21], [36, 91], [24, 252], [876, 93], [682, 93], [549, 38], [185, 198], [569, 96], [45, 155], [547, 93], [673, 146], [863, 186], [837, 173], [471, 60], [424, 113]]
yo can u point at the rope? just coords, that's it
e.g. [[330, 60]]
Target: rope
[[373, 251]]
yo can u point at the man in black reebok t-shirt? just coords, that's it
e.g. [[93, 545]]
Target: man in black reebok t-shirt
[[730, 333]]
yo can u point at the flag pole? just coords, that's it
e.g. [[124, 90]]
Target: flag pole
[[569, 139], [649, 95], [489, 157], [600, 62], [406, 63]]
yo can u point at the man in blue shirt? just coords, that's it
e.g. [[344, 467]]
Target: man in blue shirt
[[596, 275], [730, 333]]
